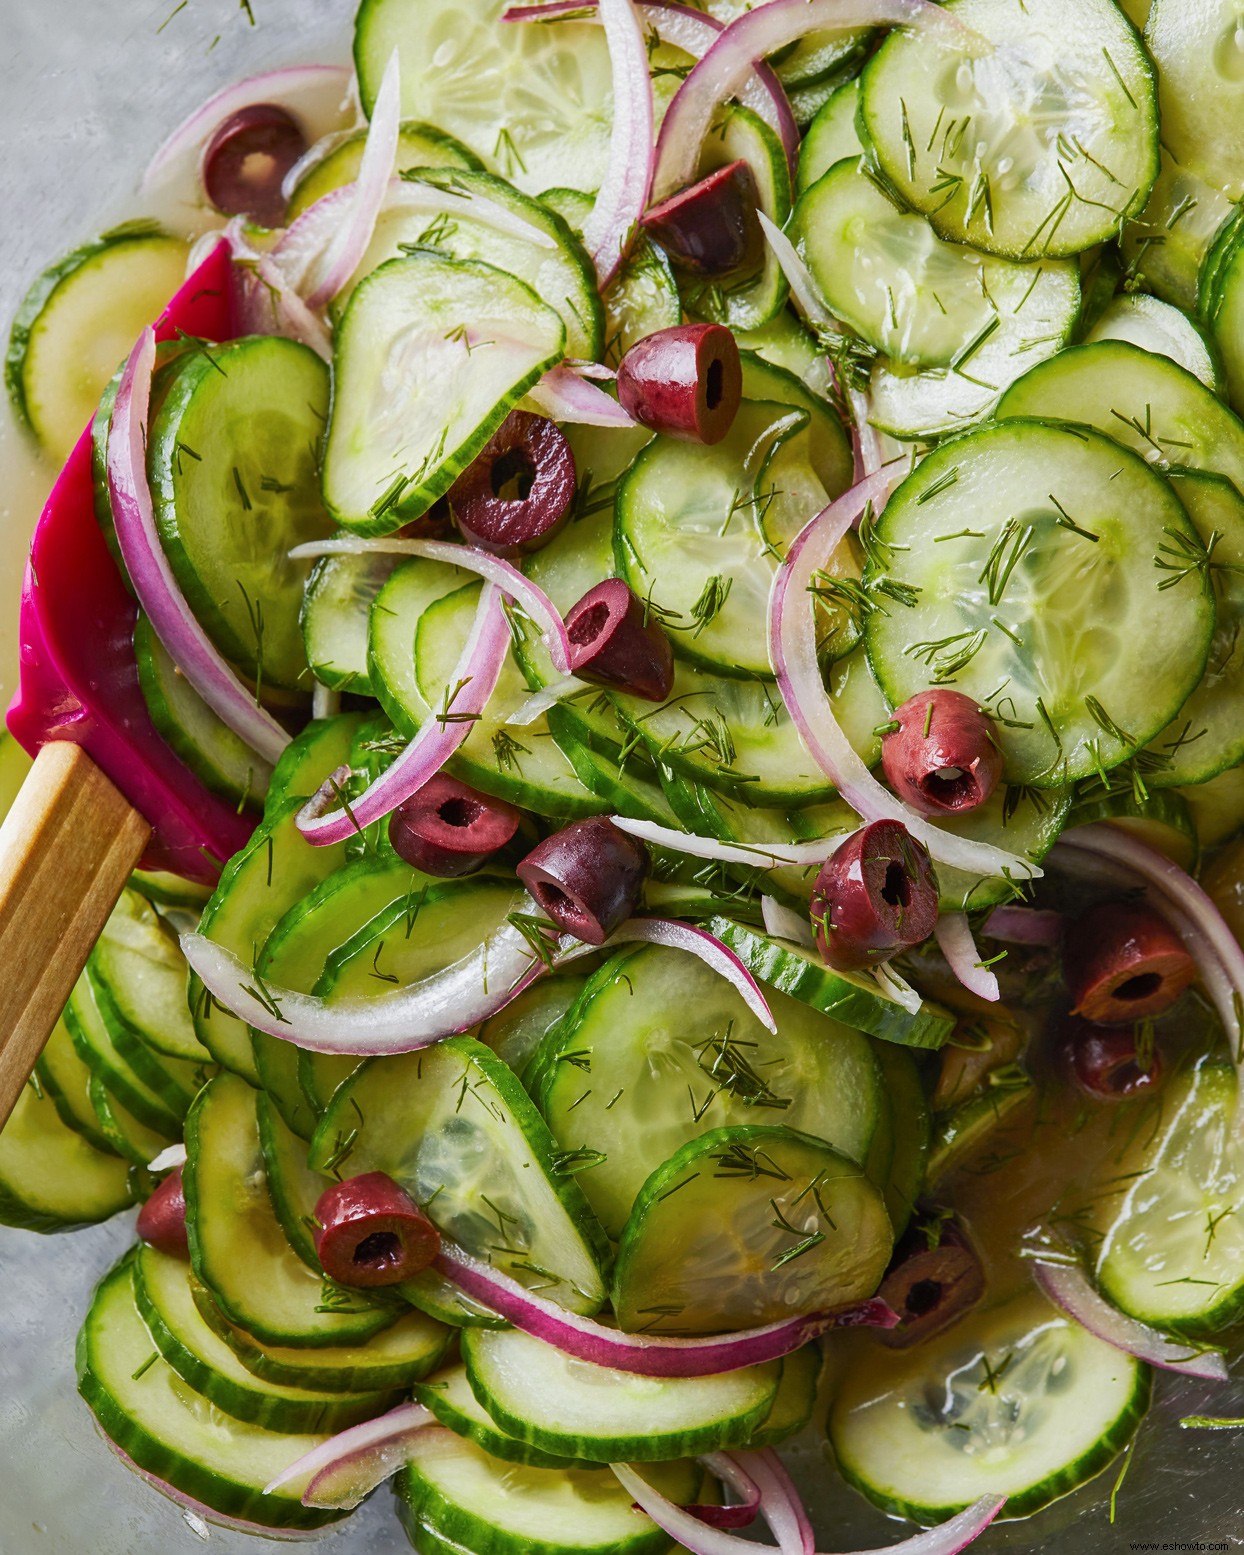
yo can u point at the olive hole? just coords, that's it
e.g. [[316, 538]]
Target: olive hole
[[512, 475], [588, 626], [715, 384], [897, 888], [460, 812], [378, 1249], [1143, 986], [923, 1297], [951, 787], [551, 897]]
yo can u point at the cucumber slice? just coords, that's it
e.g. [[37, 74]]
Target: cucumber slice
[[165, 891], [448, 1395], [1143, 401], [233, 461], [1026, 821], [959, 1134], [658, 1050], [853, 998], [184, 721], [746, 1226], [418, 145], [141, 972], [911, 1126], [464, 342], [1047, 609], [169, 1431], [294, 1188], [175, 1081], [322, 747], [453, 1125], [1014, 1401], [1217, 807], [827, 51], [1162, 817], [552, 262], [434, 1295], [395, 613], [515, 1034], [204, 1361], [1040, 145], [487, 1506], [1174, 1257], [336, 608], [1224, 310], [65, 1078], [126, 1136], [831, 136], [237, 1246], [78, 320], [784, 342], [794, 1401], [627, 788], [1165, 245], [545, 1397], [1195, 46], [51, 1178], [1167, 331], [96, 1047]]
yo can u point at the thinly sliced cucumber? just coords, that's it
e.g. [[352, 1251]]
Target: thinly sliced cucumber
[[434, 1295], [293, 1187], [169, 1431], [1224, 310], [1025, 821], [1144, 401], [1195, 46], [515, 1034], [417, 391], [487, 1506], [126, 1136], [910, 1121], [552, 262], [322, 747], [233, 458], [794, 1401], [65, 1076], [658, 1050], [336, 609], [958, 1135], [1159, 327], [1174, 1256], [184, 721], [94, 1044], [203, 1360], [628, 787], [237, 1246], [545, 1397], [165, 891], [1165, 246], [391, 630], [1217, 807], [142, 973], [831, 136], [825, 52], [853, 998], [1014, 1401], [746, 1226], [175, 1081], [51, 1178], [418, 145], [453, 1125], [78, 320], [1037, 137], [784, 342], [1031, 550], [448, 1395], [1162, 817]]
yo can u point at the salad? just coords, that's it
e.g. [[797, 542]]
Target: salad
[[699, 551]]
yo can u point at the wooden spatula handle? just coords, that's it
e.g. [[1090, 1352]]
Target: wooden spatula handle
[[66, 850]]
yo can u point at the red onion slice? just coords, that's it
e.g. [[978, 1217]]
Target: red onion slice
[[756, 855], [267, 303], [154, 583], [783, 923], [674, 934], [495, 569], [898, 988], [171, 1156], [473, 681], [539, 702], [954, 937], [643, 1354], [781, 1505], [614, 219], [364, 1456], [566, 396], [1025, 926], [744, 1509], [792, 651], [754, 36], [1072, 1292]]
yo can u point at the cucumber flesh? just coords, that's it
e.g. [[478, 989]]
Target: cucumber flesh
[[1159, 327], [336, 608], [141, 969], [831, 136], [1165, 246], [418, 145], [1195, 47], [51, 1178], [65, 1077], [448, 1395]]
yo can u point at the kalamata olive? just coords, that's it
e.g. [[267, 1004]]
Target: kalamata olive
[[613, 644], [162, 1219], [1107, 1063], [1122, 962], [934, 1276], [586, 878], [943, 758], [711, 228], [686, 382], [246, 161], [371, 1232], [448, 828], [520, 487], [877, 894]]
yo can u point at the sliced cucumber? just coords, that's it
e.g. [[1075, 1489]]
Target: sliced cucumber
[[746, 1226], [237, 1246], [78, 320], [126, 1136], [794, 1401], [784, 342], [658, 1050], [233, 459], [418, 392], [322, 747], [169, 1431], [294, 1188], [65, 1077], [175, 1081], [1222, 305], [543, 1396], [959, 1134], [487, 1506], [448, 1395], [336, 608], [1195, 46], [1032, 550], [518, 1030], [453, 1125], [166, 891], [1159, 327], [95, 1045], [1217, 807], [910, 1121], [1162, 817], [418, 145], [51, 1178], [395, 613], [1036, 138], [853, 998], [831, 136], [1165, 245], [825, 52], [1012, 1401], [1025, 821], [142, 973]]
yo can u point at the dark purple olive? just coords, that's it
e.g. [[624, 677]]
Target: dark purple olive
[[613, 644], [162, 1219], [943, 759], [1106, 1062], [1122, 962], [371, 1232], [875, 896], [448, 828], [686, 382], [934, 1277], [520, 487], [246, 160], [711, 228], [586, 878]]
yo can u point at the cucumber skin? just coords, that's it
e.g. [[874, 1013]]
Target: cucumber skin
[[822, 988], [497, 1442]]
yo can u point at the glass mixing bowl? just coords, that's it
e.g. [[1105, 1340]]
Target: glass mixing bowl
[[88, 88]]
